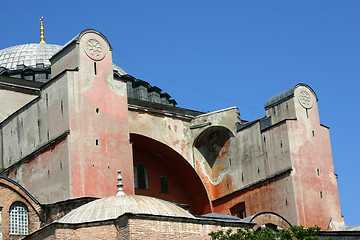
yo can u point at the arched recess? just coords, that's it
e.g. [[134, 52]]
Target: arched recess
[[162, 162], [212, 150], [270, 220]]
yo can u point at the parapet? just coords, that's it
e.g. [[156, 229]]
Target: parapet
[[285, 95]]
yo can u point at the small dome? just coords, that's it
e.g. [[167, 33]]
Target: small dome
[[27, 54], [115, 206]]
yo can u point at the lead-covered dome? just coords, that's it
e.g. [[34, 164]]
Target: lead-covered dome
[[28, 55], [115, 206], [31, 54], [32, 62]]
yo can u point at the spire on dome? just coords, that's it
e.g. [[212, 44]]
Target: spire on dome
[[42, 37], [120, 185]]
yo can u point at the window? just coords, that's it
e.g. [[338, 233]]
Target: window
[[238, 210], [0, 225], [18, 219], [240, 213], [164, 184], [140, 177]]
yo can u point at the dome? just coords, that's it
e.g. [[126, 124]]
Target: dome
[[115, 206], [31, 54], [32, 62], [27, 54]]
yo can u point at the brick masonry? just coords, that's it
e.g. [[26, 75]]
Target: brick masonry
[[11, 193], [135, 227]]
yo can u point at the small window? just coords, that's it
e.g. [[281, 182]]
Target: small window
[[164, 184], [238, 210], [0, 225], [18, 219], [240, 213], [140, 177]]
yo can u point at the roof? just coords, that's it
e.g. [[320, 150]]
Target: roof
[[223, 217], [116, 206], [28, 55], [285, 95]]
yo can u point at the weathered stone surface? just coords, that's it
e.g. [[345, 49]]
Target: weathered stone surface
[[65, 139]]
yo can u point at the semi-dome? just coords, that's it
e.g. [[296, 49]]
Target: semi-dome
[[115, 206], [28, 55]]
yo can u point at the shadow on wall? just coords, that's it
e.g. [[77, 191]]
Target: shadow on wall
[[163, 173], [214, 146]]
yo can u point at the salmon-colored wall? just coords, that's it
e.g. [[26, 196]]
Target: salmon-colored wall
[[273, 196], [315, 182], [99, 127], [212, 150], [46, 174]]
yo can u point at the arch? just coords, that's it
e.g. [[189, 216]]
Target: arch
[[13, 194], [212, 128], [83, 32], [184, 185], [269, 219], [18, 219], [213, 143], [20, 190]]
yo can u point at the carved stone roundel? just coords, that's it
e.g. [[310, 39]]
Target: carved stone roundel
[[94, 49], [305, 99]]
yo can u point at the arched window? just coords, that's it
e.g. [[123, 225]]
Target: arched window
[[18, 219], [140, 177]]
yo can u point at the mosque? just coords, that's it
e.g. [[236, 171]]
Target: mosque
[[70, 119]]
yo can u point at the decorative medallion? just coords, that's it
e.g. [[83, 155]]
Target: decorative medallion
[[305, 99], [94, 49]]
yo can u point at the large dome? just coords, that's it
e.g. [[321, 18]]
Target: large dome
[[31, 54], [115, 206], [28, 55], [32, 62]]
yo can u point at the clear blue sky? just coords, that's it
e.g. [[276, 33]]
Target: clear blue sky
[[210, 55]]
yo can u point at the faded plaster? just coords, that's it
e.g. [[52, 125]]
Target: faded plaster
[[170, 131], [69, 141], [11, 101]]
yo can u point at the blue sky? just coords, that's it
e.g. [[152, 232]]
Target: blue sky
[[210, 55]]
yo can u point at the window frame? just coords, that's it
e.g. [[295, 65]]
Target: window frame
[[18, 219], [136, 176]]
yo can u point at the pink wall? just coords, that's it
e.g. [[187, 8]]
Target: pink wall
[[99, 139]]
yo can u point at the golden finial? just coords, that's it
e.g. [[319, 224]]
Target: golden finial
[[42, 37]]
